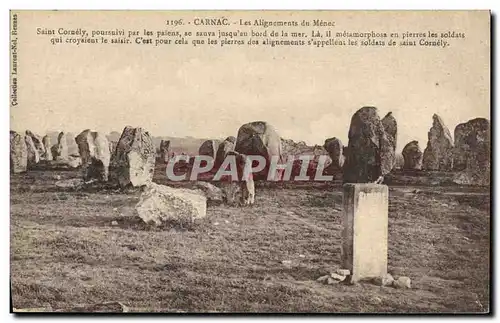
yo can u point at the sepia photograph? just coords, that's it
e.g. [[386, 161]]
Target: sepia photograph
[[250, 161]]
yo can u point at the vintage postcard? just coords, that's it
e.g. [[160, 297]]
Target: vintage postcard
[[250, 161]]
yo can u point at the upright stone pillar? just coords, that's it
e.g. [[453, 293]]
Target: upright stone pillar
[[364, 236]]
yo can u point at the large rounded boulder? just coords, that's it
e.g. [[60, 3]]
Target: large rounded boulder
[[412, 156], [259, 138]]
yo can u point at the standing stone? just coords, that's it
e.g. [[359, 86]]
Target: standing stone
[[438, 155], [365, 230], [18, 153], [54, 152], [369, 154], [391, 131], [259, 138], [33, 155], [208, 148], [240, 191], [134, 160], [472, 152], [412, 156], [48, 146], [165, 150], [224, 148], [334, 148], [399, 161], [94, 152], [472, 142], [73, 149], [60, 150], [37, 142]]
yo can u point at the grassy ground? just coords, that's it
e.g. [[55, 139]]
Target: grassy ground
[[66, 252]]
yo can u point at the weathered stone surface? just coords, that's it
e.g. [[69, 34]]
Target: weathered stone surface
[[73, 161], [134, 161], [224, 148], [365, 230], [61, 148], [112, 149], [18, 153], [54, 151], [165, 150], [47, 145], [239, 191], [94, 151], [412, 156], [161, 204], [402, 283], [391, 131], [334, 148], [386, 280], [343, 272], [72, 145], [33, 155], [338, 277], [323, 279], [209, 148], [369, 154], [472, 152], [38, 142], [399, 161], [438, 155], [212, 192], [259, 138], [74, 183]]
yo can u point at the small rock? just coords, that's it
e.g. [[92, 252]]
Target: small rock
[[343, 272], [114, 222], [302, 256], [375, 300], [216, 223], [386, 280], [331, 281], [226, 221], [57, 177], [337, 277], [444, 205], [402, 282], [74, 183], [115, 209], [323, 278], [287, 263]]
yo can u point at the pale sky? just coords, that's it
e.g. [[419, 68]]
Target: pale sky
[[307, 93]]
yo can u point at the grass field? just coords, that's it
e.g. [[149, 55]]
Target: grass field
[[66, 252]]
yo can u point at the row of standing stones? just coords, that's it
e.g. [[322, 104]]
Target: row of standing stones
[[369, 156]]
